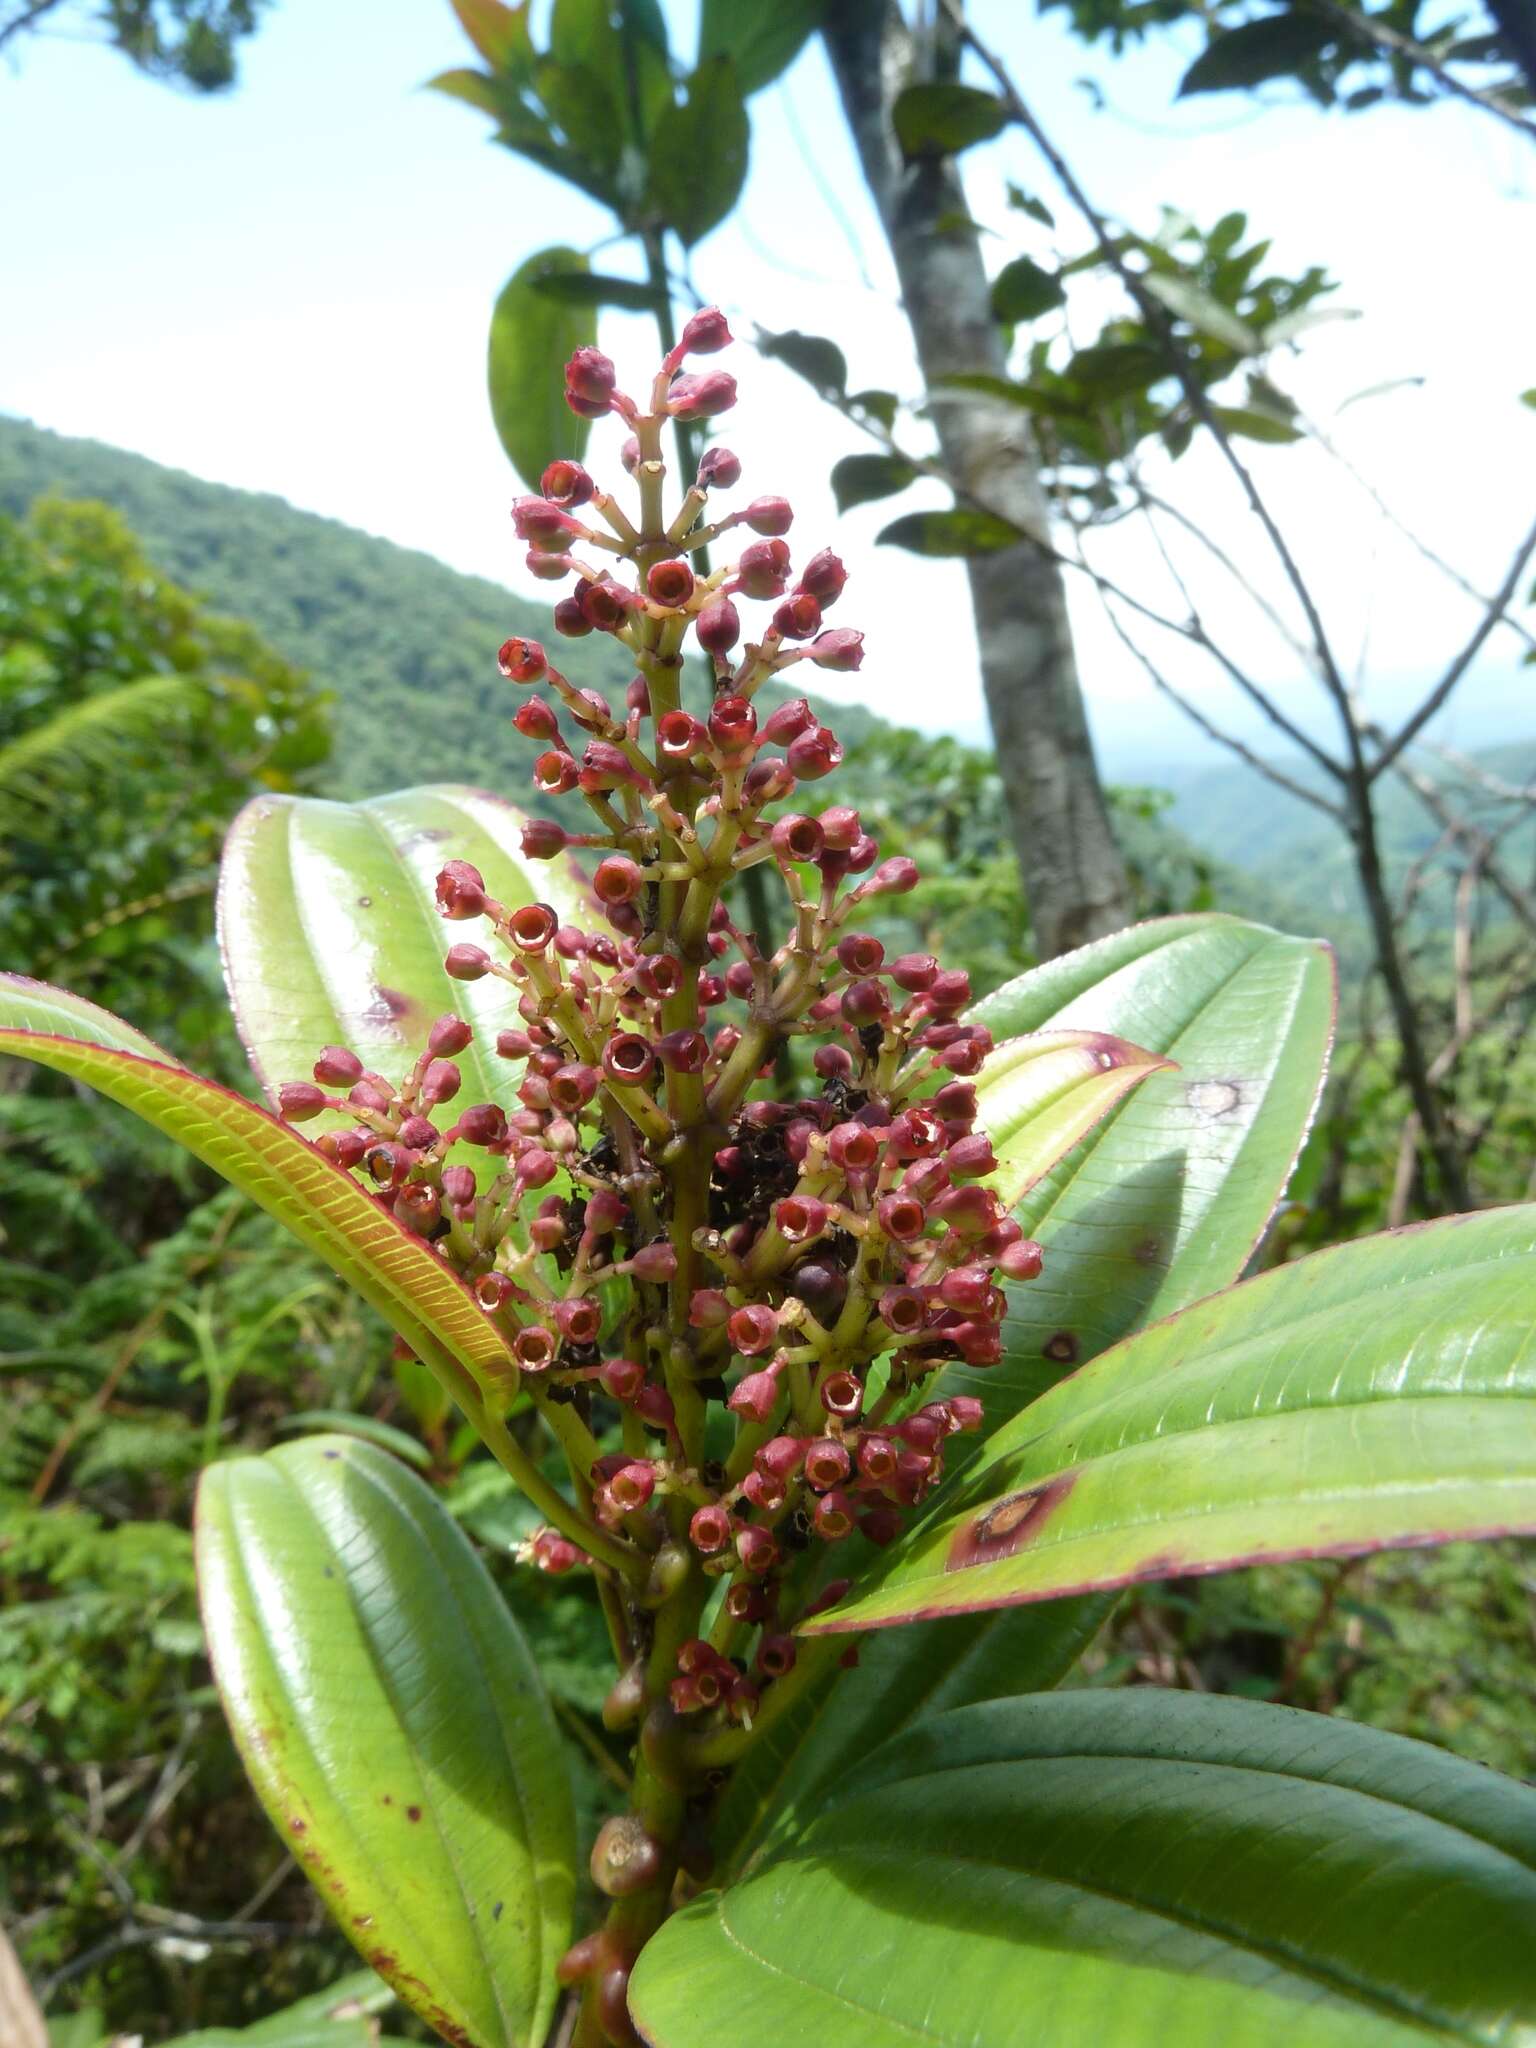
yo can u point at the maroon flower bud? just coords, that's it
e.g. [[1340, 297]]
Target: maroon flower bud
[[624, 1860], [877, 1457], [842, 1395], [705, 332], [832, 1062], [554, 1553], [679, 736], [683, 1052], [466, 963], [482, 1124], [757, 1550], [755, 1395], [800, 1218], [815, 754], [863, 854], [955, 1101], [623, 1378], [798, 616], [880, 1524], [711, 992], [796, 838], [781, 1455], [605, 1212], [892, 878], [969, 1211], [853, 1147], [710, 1529], [900, 1217], [860, 953], [763, 1490], [824, 577], [965, 1412], [534, 1348], [708, 1308], [971, 1158], [827, 1463], [628, 1058], [670, 583], [604, 605], [531, 926], [753, 1329], [372, 1092], [967, 1287], [654, 1407], [979, 1344], [718, 626], [923, 1432], [618, 879], [702, 398], [440, 1082], [763, 568], [573, 1086], [460, 891], [833, 1516], [661, 974], [550, 566], [769, 516], [567, 483], [459, 1185], [732, 724], [570, 620], [543, 839], [841, 650], [903, 1310], [914, 972], [534, 719], [1022, 1260], [298, 1101], [590, 381], [719, 469], [632, 1486], [776, 1656], [555, 772], [513, 1045], [788, 722], [949, 991], [865, 1002], [522, 660], [448, 1036], [537, 520], [654, 1262]]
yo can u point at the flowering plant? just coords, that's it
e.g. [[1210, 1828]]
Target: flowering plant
[[758, 1268]]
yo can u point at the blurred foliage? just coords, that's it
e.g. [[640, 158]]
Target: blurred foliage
[[193, 43]]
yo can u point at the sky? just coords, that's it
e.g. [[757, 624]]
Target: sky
[[288, 289]]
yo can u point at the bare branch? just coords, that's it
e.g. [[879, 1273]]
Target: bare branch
[[1371, 28]]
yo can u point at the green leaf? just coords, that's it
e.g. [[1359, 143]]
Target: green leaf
[[860, 479], [1025, 202], [1207, 315], [762, 41], [499, 33], [395, 1728], [532, 334], [1378, 1394], [1529, 397], [1131, 1868], [1254, 425], [877, 405], [1023, 290], [475, 88], [962, 531], [819, 361], [1166, 1200], [938, 120], [1038, 1096], [367, 1427], [698, 159], [582, 288], [1273, 46], [341, 2016], [330, 932], [323, 1206], [64, 758]]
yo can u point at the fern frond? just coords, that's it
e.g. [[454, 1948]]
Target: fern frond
[[83, 741]]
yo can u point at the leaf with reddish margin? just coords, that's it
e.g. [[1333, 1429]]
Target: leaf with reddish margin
[[1376, 1395], [1039, 1095], [330, 932], [323, 1206]]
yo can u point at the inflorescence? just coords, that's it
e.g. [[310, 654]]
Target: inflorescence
[[775, 1249]]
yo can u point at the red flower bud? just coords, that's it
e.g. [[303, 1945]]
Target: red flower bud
[[732, 724], [719, 469], [628, 1058], [440, 1082], [903, 1310], [781, 1455], [800, 1218], [338, 1067], [827, 1463], [971, 1158], [555, 772], [683, 1052], [776, 1656], [702, 398], [840, 650], [914, 972], [892, 878], [865, 1002], [769, 516], [900, 1217], [466, 963], [794, 838], [590, 381], [623, 1378], [753, 1329], [755, 1395], [854, 1147], [535, 720], [718, 626], [567, 483], [298, 1101], [543, 839], [815, 754], [460, 891], [1022, 1260], [618, 879], [670, 583], [798, 616], [756, 1549], [842, 1395], [833, 1516], [532, 926], [459, 1185], [824, 577], [763, 568], [710, 1529], [482, 1124], [788, 722], [570, 619], [522, 660], [860, 953], [632, 1486], [654, 1262], [705, 332]]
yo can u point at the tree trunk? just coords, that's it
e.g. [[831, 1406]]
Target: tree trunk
[[1073, 873]]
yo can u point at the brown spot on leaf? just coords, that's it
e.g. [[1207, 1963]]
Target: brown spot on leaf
[[496, 1910], [1146, 1251], [1214, 1099], [1061, 1348], [1004, 1529], [413, 1813], [297, 1826], [365, 903], [390, 1005]]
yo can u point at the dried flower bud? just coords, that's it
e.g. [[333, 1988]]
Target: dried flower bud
[[522, 661]]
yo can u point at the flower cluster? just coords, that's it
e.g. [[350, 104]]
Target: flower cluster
[[804, 1256]]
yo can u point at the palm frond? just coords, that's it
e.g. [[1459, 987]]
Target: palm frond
[[81, 742]]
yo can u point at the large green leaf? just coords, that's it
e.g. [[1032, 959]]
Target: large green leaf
[[323, 1206], [330, 932], [698, 155], [1167, 1198], [762, 41], [1380, 1393], [938, 120], [395, 1727], [1038, 1096], [532, 333], [1129, 1870]]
